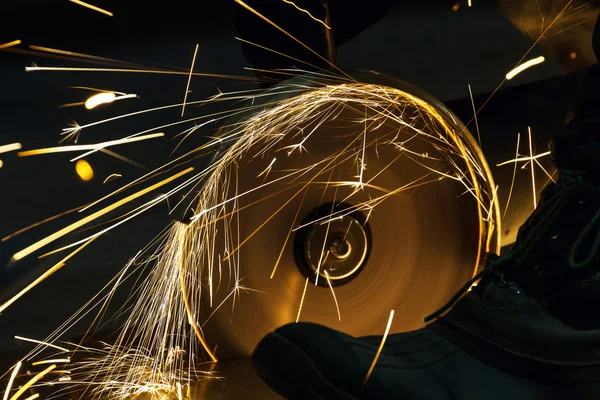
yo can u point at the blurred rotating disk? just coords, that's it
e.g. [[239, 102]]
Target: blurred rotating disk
[[376, 198]]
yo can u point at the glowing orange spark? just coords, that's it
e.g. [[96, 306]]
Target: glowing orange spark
[[187, 88], [41, 278], [87, 147], [307, 12], [1, 163], [31, 382], [111, 177], [132, 70], [512, 183], [38, 341], [84, 170], [10, 147], [91, 7], [387, 330], [527, 64], [268, 169], [532, 168], [302, 299], [52, 361], [56, 235], [475, 115], [10, 44], [517, 158], [11, 380], [333, 294], [100, 98]]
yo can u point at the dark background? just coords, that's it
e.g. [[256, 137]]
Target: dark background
[[426, 43]]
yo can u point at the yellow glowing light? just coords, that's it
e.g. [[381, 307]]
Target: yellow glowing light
[[33, 396], [187, 88], [84, 170], [10, 44], [1, 163], [527, 64], [387, 330], [56, 235], [39, 341], [31, 382], [91, 7], [573, 55], [53, 361], [455, 7], [11, 380], [302, 300], [307, 12], [10, 147], [100, 98]]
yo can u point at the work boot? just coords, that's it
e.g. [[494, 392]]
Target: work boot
[[528, 329]]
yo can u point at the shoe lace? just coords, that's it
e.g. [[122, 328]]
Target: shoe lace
[[515, 262]]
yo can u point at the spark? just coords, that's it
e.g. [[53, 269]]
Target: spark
[[84, 170], [105, 98], [307, 12], [88, 147], [111, 177], [133, 70], [475, 115], [187, 88], [1, 163], [302, 300], [80, 55], [91, 7], [387, 330], [532, 168], [49, 239], [64, 379], [31, 382], [512, 183], [522, 67], [39, 341], [10, 147], [51, 361], [39, 279], [469, 3], [528, 159], [11, 380], [273, 24], [33, 396], [337, 307], [268, 169], [10, 44]]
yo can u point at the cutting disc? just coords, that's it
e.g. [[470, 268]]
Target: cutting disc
[[381, 209]]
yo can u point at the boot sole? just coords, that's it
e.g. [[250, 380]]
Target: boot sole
[[295, 376]]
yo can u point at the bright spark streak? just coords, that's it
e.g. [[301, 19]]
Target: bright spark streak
[[53, 361], [10, 147], [140, 71], [28, 250], [302, 300], [307, 12], [474, 113], [88, 147], [10, 44], [41, 278], [387, 330], [532, 168], [187, 88], [41, 342], [179, 394], [512, 183], [1, 163], [268, 169], [517, 158], [11, 380], [64, 379], [79, 55], [253, 11], [527, 64], [105, 98], [333, 294], [31, 382], [91, 7], [469, 3], [33, 396], [111, 177]]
